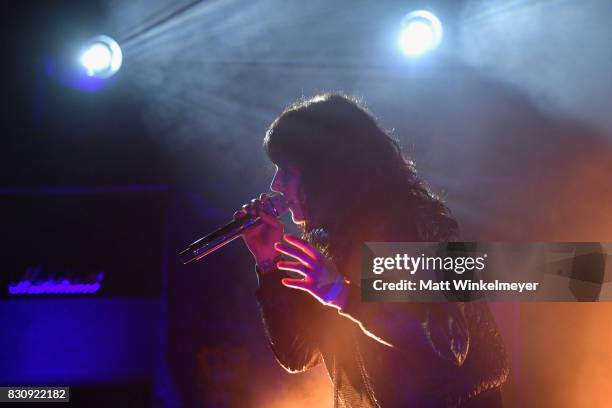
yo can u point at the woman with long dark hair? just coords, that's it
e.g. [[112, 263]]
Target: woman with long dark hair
[[347, 182]]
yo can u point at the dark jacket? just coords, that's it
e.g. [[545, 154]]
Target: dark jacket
[[388, 354]]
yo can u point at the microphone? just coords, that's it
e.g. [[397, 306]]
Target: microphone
[[276, 205]]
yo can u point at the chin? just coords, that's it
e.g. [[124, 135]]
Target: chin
[[296, 218]]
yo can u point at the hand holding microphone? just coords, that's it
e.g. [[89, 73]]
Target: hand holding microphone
[[257, 223], [260, 239]]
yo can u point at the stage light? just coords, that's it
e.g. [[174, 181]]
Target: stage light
[[421, 32], [102, 57]]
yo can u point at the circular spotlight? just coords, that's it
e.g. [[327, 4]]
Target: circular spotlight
[[421, 32], [102, 57]]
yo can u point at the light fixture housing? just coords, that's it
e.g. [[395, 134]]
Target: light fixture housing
[[421, 31], [102, 57]]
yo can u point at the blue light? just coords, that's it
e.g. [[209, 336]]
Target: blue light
[[102, 57], [63, 286], [421, 32]]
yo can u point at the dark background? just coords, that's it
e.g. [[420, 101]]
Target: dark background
[[508, 121]]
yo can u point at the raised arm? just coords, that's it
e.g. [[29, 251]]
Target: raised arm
[[287, 315], [289, 319], [437, 328]]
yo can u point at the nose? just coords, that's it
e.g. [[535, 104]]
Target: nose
[[276, 184]]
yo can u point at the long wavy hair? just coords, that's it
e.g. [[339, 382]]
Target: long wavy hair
[[357, 184]]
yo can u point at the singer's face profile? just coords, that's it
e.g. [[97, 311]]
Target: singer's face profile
[[287, 182]]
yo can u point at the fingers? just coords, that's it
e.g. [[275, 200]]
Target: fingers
[[296, 284], [302, 257], [255, 209], [251, 208], [303, 245], [269, 219], [293, 267]]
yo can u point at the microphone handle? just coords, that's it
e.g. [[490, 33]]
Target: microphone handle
[[217, 239]]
